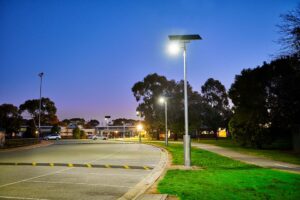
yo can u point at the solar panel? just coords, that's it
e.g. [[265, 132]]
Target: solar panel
[[185, 37]]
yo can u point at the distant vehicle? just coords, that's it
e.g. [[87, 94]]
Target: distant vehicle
[[99, 137], [52, 137], [90, 136]]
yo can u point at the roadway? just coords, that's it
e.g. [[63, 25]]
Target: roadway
[[87, 170]]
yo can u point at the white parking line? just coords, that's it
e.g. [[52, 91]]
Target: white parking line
[[90, 184], [24, 198], [28, 179], [106, 156]]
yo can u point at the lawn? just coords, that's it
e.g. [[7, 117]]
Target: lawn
[[284, 156], [224, 178]]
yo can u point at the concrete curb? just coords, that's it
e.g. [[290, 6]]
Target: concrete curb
[[148, 181]]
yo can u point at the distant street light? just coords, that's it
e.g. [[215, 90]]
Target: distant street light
[[116, 133], [40, 106], [163, 100], [123, 122], [106, 118], [183, 40], [139, 126]]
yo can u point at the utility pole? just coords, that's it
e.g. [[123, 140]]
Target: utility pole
[[40, 106]]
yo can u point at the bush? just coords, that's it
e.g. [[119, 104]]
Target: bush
[[83, 135], [76, 133], [79, 134], [249, 132]]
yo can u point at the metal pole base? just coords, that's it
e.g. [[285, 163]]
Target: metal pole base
[[187, 150]]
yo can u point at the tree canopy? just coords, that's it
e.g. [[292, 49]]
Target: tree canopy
[[48, 110], [290, 29], [120, 121], [201, 114], [266, 103], [10, 119]]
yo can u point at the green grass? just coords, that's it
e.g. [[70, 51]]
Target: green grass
[[224, 178], [284, 156]]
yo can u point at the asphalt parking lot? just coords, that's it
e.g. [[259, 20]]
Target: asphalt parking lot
[[106, 170]]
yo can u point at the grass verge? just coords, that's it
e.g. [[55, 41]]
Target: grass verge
[[224, 178], [284, 156]]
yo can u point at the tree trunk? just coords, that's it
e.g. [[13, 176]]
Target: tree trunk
[[175, 136]]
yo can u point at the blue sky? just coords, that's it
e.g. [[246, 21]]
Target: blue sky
[[92, 52]]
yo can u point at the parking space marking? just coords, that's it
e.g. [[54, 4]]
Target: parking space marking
[[28, 179], [75, 183], [24, 198], [89, 165], [72, 165]]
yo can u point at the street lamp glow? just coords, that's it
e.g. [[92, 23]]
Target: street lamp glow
[[174, 48], [162, 100], [139, 127]]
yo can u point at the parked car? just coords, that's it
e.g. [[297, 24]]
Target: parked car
[[99, 137], [90, 136], [52, 137]]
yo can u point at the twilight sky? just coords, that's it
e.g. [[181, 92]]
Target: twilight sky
[[92, 52]]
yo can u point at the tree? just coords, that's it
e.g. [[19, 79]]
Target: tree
[[55, 129], [10, 118], [65, 122], [120, 121], [92, 123], [76, 133], [290, 29], [215, 95], [48, 111], [77, 121], [147, 93], [267, 103], [82, 134]]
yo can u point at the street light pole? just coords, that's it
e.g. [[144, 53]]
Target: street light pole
[[166, 122], [106, 118], [123, 130], [163, 100], [138, 113], [187, 143], [40, 104], [184, 39]]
